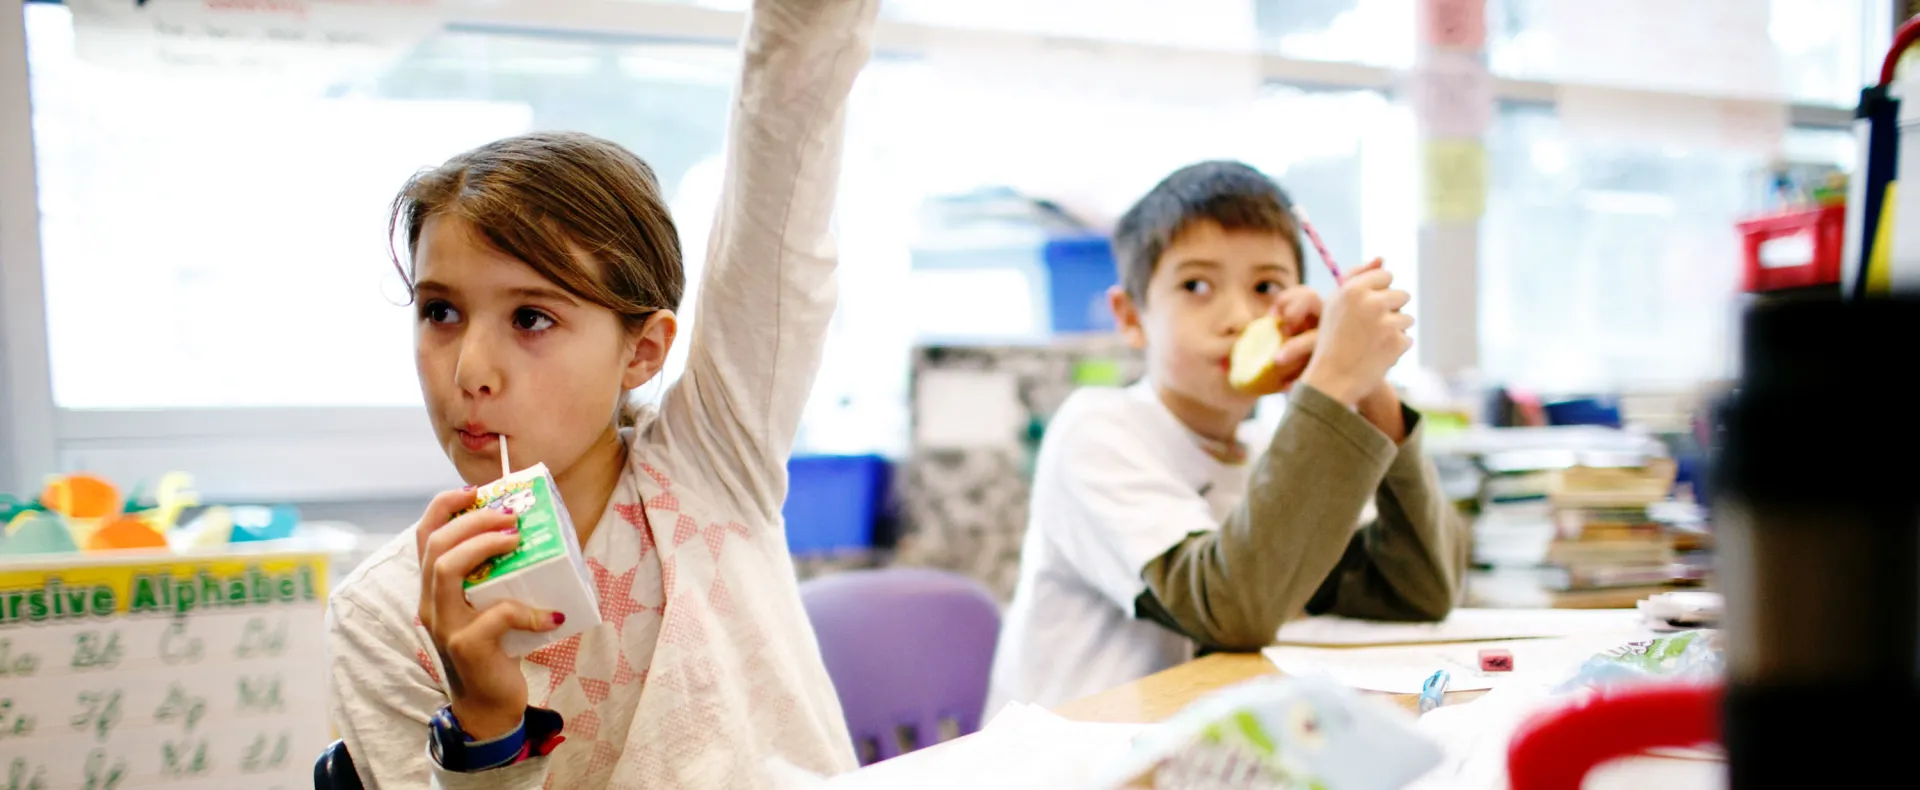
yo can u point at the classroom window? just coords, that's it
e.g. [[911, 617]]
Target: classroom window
[[1375, 32], [248, 261], [1804, 50], [1611, 264], [1202, 23], [1214, 24]]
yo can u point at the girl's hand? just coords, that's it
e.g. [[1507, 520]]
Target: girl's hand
[[489, 693], [1364, 332]]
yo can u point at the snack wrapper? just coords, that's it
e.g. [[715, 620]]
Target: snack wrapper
[[1695, 655], [1294, 732]]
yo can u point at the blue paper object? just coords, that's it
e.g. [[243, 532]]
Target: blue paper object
[[258, 523]]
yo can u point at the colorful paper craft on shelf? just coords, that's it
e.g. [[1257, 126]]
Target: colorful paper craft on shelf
[[85, 512], [37, 532]]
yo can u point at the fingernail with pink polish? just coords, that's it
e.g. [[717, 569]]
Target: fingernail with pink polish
[[559, 618]]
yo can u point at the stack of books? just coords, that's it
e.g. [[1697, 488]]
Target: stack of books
[[1606, 534], [1575, 517]]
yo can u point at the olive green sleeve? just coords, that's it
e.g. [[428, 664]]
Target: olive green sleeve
[[1290, 547]]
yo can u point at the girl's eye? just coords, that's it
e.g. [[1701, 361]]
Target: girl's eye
[[438, 312], [1200, 287], [1270, 287], [527, 319]]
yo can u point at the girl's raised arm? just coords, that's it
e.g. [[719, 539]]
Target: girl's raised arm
[[768, 289]]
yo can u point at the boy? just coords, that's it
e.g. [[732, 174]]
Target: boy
[[1157, 527]]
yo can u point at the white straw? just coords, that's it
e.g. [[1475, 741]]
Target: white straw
[[505, 467]]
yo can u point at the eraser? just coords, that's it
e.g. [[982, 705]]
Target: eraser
[[1494, 659]]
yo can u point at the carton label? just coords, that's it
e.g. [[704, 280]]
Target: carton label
[[531, 498]]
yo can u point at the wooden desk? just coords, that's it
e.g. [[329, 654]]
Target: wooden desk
[[1158, 696]]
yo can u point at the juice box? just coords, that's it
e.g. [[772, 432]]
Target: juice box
[[546, 572]]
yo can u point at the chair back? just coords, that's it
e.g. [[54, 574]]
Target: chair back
[[909, 651]]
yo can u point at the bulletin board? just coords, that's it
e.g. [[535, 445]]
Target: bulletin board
[[160, 671]]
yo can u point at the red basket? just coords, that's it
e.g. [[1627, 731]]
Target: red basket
[[1793, 249]]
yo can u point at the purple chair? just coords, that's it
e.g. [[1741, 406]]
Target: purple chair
[[909, 651]]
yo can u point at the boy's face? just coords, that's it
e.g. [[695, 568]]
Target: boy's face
[[502, 350], [1208, 284]]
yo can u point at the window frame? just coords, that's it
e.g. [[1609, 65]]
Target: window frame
[[268, 453]]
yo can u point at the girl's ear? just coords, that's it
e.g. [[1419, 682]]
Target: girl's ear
[[650, 347]]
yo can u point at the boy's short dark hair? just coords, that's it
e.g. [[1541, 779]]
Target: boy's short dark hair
[[1232, 194]]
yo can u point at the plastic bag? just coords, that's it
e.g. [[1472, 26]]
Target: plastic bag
[[1695, 655], [1302, 732]]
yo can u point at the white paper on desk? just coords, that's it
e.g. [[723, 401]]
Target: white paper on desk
[[1023, 746], [1401, 669], [1473, 737], [1463, 625]]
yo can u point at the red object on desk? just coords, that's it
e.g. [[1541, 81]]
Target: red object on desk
[[1793, 249], [1555, 749], [1494, 659]]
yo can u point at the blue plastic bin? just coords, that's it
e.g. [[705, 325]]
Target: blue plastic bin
[[834, 501], [1584, 411], [1079, 272]]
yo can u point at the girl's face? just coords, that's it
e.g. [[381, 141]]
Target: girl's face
[[501, 350]]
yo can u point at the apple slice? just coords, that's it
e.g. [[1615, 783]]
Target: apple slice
[[1250, 366]]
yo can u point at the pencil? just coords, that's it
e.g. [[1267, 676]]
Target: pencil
[[1318, 245]]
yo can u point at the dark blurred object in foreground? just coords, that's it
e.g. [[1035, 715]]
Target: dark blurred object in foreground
[[1818, 530]]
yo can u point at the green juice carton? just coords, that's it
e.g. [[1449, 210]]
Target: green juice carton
[[546, 572]]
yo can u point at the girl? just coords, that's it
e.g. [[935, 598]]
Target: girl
[[545, 271]]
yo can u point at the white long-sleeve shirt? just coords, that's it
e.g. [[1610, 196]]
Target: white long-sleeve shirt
[[706, 665]]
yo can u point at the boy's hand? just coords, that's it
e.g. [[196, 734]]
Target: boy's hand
[[489, 693], [1362, 335], [1294, 356], [1382, 408], [1299, 310]]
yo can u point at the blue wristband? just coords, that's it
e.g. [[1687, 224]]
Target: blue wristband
[[457, 751]]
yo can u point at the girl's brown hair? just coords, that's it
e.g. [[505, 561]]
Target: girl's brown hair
[[566, 204]]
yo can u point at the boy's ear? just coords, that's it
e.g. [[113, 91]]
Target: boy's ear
[[650, 347], [1126, 317]]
